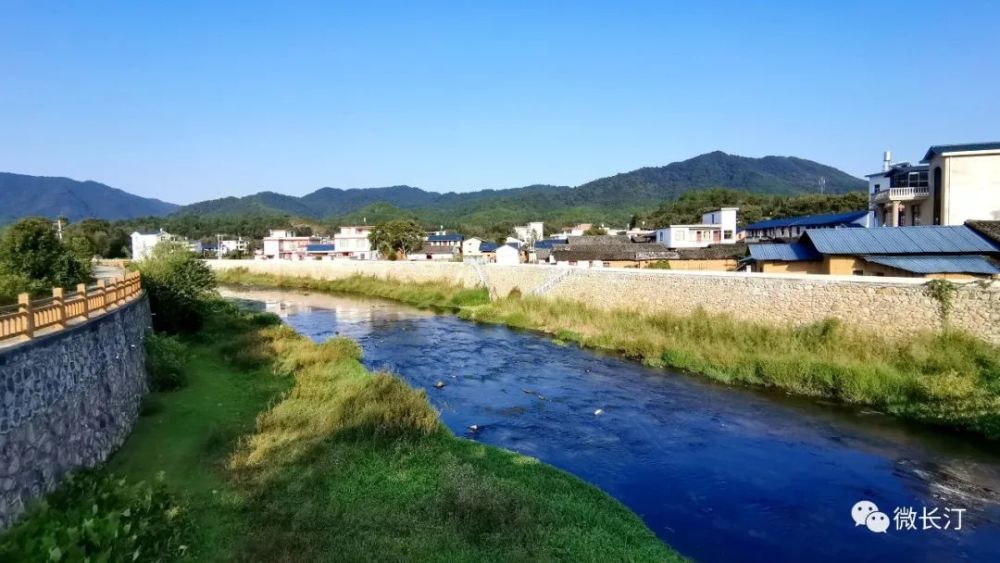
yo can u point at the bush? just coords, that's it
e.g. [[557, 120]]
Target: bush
[[97, 517], [165, 357], [179, 285]]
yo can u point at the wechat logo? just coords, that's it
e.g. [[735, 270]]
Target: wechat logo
[[865, 513]]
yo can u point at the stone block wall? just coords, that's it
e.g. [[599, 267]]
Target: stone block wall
[[67, 401], [894, 307]]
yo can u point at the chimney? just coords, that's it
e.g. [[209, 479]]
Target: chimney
[[886, 161]]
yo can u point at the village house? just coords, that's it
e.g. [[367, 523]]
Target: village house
[[574, 231], [470, 246], [794, 227], [446, 239], [951, 252], [143, 243], [529, 233], [608, 251], [508, 255], [716, 227], [282, 244], [352, 242], [952, 184]]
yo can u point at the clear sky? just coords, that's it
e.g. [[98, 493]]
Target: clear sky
[[187, 101]]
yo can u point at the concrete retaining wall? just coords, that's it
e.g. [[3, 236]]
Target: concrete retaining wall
[[67, 400], [894, 307]]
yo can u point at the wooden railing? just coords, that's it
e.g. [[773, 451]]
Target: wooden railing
[[27, 317]]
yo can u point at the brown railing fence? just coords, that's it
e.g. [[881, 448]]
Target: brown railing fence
[[28, 316]]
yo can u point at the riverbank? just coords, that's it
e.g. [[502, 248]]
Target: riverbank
[[286, 450], [948, 379]]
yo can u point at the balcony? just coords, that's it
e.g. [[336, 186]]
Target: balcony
[[902, 194]]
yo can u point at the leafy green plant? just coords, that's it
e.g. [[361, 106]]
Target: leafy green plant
[[943, 291], [94, 516], [165, 357], [659, 265], [179, 285]]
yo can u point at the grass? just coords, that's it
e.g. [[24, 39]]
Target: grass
[[949, 379], [287, 450]]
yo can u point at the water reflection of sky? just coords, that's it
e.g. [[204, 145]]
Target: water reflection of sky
[[722, 474]]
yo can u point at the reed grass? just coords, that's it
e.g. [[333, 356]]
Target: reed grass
[[949, 379]]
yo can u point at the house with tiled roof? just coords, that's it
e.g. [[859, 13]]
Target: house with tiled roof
[[952, 184], [949, 252], [794, 227]]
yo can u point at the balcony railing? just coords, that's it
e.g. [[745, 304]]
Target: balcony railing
[[902, 194], [28, 316]]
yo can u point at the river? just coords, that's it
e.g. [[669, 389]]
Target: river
[[719, 473]]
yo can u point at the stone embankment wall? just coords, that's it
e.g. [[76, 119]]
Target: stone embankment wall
[[894, 307], [67, 400]]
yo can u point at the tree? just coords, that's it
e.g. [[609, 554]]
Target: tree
[[31, 250], [397, 237], [595, 231], [179, 286]]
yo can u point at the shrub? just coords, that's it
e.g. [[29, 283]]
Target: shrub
[[165, 357], [94, 516], [179, 286], [659, 265]]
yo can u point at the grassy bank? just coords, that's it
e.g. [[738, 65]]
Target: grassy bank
[[948, 379], [280, 449]]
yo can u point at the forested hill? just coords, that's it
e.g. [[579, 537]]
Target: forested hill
[[612, 198], [25, 195]]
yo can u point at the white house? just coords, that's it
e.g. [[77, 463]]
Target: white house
[[530, 233], [508, 255], [285, 245], [574, 231], [470, 246], [951, 185], [444, 238], [143, 243], [234, 245], [352, 242], [716, 227]]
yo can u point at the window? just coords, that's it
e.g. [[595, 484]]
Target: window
[[914, 214], [727, 235], [680, 234], [858, 272]]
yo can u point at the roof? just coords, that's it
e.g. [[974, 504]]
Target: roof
[[900, 167], [780, 252], [988, 229], [713, 252], [939, 264], [487, 247], [900, 240], [450, 237], [937, 150], [826, 220], [320, 248], [549, 243]]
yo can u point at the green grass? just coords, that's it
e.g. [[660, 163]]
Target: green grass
[[287, 450], [949, 379]]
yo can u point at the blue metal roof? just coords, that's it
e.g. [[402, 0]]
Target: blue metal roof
[[827, 220], [549, 243], [939, 264], [450, 237], [900, 240], [320, 247], [793, 252], [487, 247], [938, 149]]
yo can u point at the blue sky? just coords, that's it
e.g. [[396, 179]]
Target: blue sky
[[194, 100]]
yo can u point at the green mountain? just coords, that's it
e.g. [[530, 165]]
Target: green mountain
[[62, 197], [613, 198]]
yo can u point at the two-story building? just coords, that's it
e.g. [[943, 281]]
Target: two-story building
[[716, 227], [530, 232], [352, 242], [143, 243], [283, 244], [952, 184]]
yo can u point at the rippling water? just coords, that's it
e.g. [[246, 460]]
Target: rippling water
[[721, 474]]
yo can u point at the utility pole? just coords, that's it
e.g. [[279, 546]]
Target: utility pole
[[59, 228]]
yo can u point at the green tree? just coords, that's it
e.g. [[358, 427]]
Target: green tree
[[30, 250], [595, 231], [397, 237], [179, 286]]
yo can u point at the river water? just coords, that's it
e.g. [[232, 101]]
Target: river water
[[719, 473]]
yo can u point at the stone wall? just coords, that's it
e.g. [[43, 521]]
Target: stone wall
[[67, 400], [894, 307]]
